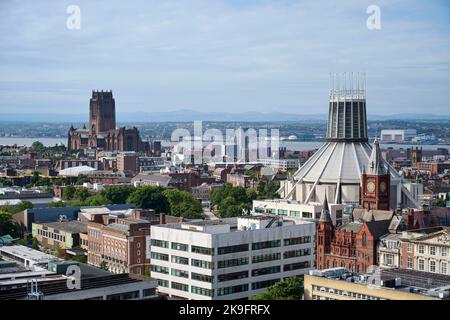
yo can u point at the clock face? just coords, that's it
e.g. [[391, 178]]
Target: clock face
[[370, 186], [383, 187]]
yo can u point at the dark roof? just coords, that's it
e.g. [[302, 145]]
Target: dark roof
[[378, 228]]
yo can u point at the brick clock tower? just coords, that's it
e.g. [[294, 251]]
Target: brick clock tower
[[376, 183]]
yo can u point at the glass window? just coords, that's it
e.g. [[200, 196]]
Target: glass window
[[232, 263], [266, 257], [202, 250], [432, 266], [160, 243], [421, 264], [180, 286], [421, 249], [266, 245], [160, 269], [295, 241], [180, 260], [180, 273], [409, 263], [444, 252], [232, 276], [201, 264], [180, 246], [409, 247], [432, 250], [444, 267], [264, 271], [201, 277], [232, 249]]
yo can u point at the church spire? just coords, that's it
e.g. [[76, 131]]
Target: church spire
[[376, 165], [325, 215]]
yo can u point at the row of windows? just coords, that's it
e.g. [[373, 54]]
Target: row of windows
[[202, 250], [432, 266], [264, 271], [160, 243], [232, 263], [432, 250], [202, 291], [180, 246], [180, 273], [160, 256], [266, 257], [343, 293], [266, 245], [51, 235], [180, 260], [296, 253], [231, 249], [232, 276], [264, 284]]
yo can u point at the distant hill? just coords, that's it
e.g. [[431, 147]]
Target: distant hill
[[189, 115]]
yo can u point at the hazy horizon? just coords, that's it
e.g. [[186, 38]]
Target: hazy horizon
[[231, 56]]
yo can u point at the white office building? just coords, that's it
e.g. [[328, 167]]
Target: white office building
[[229, 259], [295, 210], [398, 136]]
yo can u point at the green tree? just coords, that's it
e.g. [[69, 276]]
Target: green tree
[[38, 146], [183, 204], [69, 192], [81, 194], [82, 179], [288, 289], [149, 197], [441, 202], [97, 200], [118, 194], [7, 225]]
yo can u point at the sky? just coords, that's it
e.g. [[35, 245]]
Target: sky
[[222, 55]]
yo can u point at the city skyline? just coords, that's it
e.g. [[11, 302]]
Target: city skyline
[[233, 56]]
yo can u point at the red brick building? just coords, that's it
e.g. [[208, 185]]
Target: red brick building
[[353, 245]]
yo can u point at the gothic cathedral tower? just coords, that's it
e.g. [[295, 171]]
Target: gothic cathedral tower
[[102, 117], [376, 183]]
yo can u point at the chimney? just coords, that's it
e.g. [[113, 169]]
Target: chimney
[[162, 218]]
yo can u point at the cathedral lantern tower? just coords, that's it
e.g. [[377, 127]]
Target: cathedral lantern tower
[[376, 182]]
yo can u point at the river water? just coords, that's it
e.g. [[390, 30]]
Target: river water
[[291, 145]]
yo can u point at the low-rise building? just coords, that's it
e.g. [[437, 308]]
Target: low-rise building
[[233, 258], [65, 235], [119, 246], [426, 250], [392, 284]]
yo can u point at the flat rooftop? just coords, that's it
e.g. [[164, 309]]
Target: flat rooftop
[[27, 253], [418, 282], [67, 226]]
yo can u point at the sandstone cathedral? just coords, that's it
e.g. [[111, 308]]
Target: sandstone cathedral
[[102, 132]]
